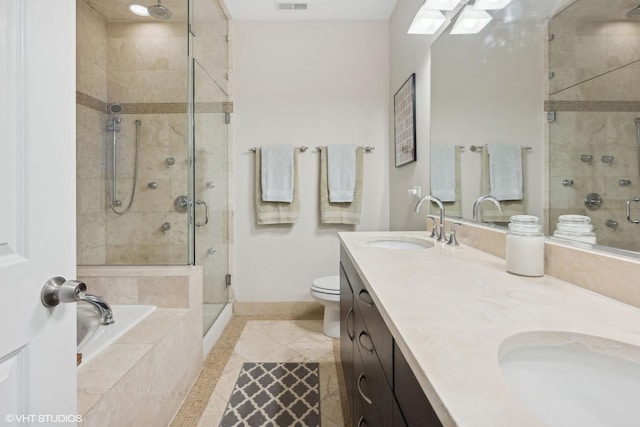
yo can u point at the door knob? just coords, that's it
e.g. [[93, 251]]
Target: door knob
[[57, 290]]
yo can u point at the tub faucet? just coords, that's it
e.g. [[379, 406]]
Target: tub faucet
[[476, 205], [106, 315], [441, 235]]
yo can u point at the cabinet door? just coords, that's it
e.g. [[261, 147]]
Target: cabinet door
[[414, 405], [346, 335], [398, 420]]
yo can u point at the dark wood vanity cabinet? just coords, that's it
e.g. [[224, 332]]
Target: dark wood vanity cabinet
[[381, 387], [412, 401], [346, 333]]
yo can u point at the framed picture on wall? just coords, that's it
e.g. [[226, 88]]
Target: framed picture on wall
[[404, 118]]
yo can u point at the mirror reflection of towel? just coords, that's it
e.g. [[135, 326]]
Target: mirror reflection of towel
[[509, 207], [453, 208], [505, 171], [443, 172]]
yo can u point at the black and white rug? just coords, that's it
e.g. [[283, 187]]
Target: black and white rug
[[275, 395]]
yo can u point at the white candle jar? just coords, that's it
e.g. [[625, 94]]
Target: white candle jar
[[525, 246]]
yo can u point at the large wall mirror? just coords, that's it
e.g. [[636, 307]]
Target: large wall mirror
[[578, 60]]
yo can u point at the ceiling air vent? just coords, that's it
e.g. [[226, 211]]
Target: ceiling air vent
[[287, 5]]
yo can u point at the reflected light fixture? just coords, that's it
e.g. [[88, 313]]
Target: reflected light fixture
[[470, 21], [441, 4], [426, 21], [490, 4], [138, 9]]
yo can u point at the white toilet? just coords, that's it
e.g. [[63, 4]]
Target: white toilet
[[326, 290]]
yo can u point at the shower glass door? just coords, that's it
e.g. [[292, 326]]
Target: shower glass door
[[211, 115]]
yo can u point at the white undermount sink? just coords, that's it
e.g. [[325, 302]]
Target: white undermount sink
[[400, 243], [566, 386]]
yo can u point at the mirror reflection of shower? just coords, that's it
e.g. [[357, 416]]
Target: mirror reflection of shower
[[113, 128]]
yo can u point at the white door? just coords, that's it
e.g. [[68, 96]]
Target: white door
[[37, 210]]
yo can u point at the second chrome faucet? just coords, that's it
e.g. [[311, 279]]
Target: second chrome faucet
[[441, 237]]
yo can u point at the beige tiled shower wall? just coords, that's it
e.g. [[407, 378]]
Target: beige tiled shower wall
[[142, 66], [595, 90]]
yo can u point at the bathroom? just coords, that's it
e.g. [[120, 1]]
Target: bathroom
[[271, 267]]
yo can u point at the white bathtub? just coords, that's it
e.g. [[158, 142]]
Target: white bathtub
[[94, 337]]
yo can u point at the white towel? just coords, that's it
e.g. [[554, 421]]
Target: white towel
[[341, 168], [505, 171], [277, 173], [443, 172]]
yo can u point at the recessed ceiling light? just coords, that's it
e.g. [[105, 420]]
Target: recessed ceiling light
[[470, 21], [426, 21], [490, 4], [441, 4], [138, 9]]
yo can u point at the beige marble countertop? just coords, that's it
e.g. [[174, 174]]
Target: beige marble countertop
[[454, 310]]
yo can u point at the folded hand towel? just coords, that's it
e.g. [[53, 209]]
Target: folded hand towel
[[340, 213], [341, 161], [505, 171], [443, 172], [275, 212], [277, 173]]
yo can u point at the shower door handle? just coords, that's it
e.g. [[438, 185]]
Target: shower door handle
[[632, 221], [206, 213]]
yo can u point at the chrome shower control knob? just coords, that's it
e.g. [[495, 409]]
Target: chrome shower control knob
[[593, 201]]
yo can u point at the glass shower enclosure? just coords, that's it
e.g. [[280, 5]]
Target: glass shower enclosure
[[153, 109]]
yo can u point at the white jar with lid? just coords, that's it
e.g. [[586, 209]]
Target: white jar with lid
[[525, 246]]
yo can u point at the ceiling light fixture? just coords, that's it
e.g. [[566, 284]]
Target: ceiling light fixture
[[441, 4], [468, 16], [470, 21], [490, 4], [138, 9], [426, 21]]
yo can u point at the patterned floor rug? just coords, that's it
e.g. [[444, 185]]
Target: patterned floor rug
[[275, 395]]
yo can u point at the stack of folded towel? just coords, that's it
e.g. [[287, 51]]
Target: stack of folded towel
[[276, 190], [341, 177]]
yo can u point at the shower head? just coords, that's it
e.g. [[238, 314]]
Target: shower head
[[634, 13], [158, 11], [115, 107]]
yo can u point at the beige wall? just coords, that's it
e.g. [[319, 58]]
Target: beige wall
[[305, 83], [143, 67]]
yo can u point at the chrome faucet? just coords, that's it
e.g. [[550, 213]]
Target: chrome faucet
[[106, 315], [476, 205], [441, 235]]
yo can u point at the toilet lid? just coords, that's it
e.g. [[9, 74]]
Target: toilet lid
[[327, 284]]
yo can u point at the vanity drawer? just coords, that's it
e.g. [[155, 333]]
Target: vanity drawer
[[377, 331], [367, 405], [350, 272], [379, 386]]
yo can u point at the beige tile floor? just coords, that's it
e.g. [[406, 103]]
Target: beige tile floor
[[266, 341]]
